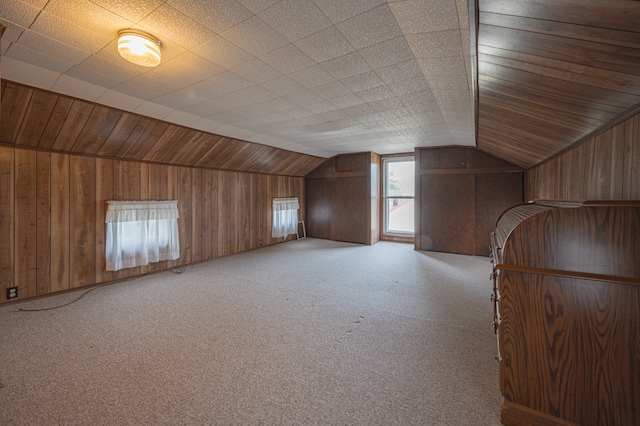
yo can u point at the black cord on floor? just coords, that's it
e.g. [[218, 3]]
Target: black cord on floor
[[175, 269]]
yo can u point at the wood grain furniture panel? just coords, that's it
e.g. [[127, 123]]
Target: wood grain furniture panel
[[566, 295]]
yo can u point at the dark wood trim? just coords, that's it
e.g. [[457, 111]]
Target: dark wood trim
[[516, 414], [471, 171], [569, 274]]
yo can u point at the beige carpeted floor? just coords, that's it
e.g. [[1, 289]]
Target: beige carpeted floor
[[309, 332]]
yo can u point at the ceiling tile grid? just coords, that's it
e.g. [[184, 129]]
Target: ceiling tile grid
[[264, 68]]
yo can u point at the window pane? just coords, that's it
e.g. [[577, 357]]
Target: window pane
[[400, 215], [400, 179]]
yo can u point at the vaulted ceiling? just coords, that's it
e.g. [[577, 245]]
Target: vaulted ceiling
[[522, 79]]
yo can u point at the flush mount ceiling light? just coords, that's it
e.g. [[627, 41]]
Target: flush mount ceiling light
[[139, 47]]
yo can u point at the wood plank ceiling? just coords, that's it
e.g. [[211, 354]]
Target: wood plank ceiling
[[45, 120], [551, 73]]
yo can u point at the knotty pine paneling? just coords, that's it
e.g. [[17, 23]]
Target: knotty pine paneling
[[606, 167], [52, 209]]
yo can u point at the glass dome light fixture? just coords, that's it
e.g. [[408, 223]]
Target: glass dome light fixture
[[139, 47]]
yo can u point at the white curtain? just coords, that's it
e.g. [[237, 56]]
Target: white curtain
[[139, 232], [285, 217]]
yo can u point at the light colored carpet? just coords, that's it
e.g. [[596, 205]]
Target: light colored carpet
[[309, 332]]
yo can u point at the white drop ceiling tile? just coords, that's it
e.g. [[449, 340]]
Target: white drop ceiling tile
[[324, 45], [407, 86], [246, 96], [181, 118], [222, 52], [305, 97], [119, 71], [320, 107], [448, 82], [206, 108], [346, 65], [59, 29], [80, 89], [288, 59], [11, 35], [93, 77], [18, 13], [32, 75], [206, 125], [333, 89], [340, 10], [360, 82], [455, 105], [418, 97], [387, 53], [130, 9], [118, 100], [434, 45], [359, 110], [24, 54], [369, 28], [312, 77], [419, 16], [217, 15], [185, 69], [165, 22], [452, 95], [346, 101], [134, 90], [255, 37], [89, 16], [221, 84], [153, 110], [376, 94], [257, 5], [408, 70], [256, 71], [386, 104], [180, 99], [295, 19], [61, 51], [283, 86], [463, 13], [442, 66], [332, 115]]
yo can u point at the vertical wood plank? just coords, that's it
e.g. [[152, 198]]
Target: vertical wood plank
[[104, 193], [184, 194], [43, 217], [212, 209], [60, 223], [83, 215], [131, 190], [145, 189], [25, 275], [617, 161], [199, 222], [7, 205], [243, 212]]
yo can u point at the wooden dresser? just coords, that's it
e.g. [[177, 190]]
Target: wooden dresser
[[566, 278]]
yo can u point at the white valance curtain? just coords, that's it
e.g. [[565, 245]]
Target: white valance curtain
[[285, 217], [140, 232]]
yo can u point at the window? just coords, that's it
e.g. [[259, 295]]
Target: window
[[399, 182], [285, 217], [140, 232]]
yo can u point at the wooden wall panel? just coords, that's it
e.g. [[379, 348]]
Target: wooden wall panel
[[43, 222], [605, 167], [25, 222], [52, 207], [7, 215], [60, 223], [82, 191], [460, 192]]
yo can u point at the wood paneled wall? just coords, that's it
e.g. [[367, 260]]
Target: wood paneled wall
[[605, 167], [343, 199], [460, 192], [53, 205]]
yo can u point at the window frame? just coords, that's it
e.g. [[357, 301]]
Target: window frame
[[385, 234]]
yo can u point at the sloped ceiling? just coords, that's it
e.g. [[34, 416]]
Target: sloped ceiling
[[319, 77], [521, 80], [552, 72]]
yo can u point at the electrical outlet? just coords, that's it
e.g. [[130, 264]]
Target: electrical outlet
[[260, 242], [12, 292]]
